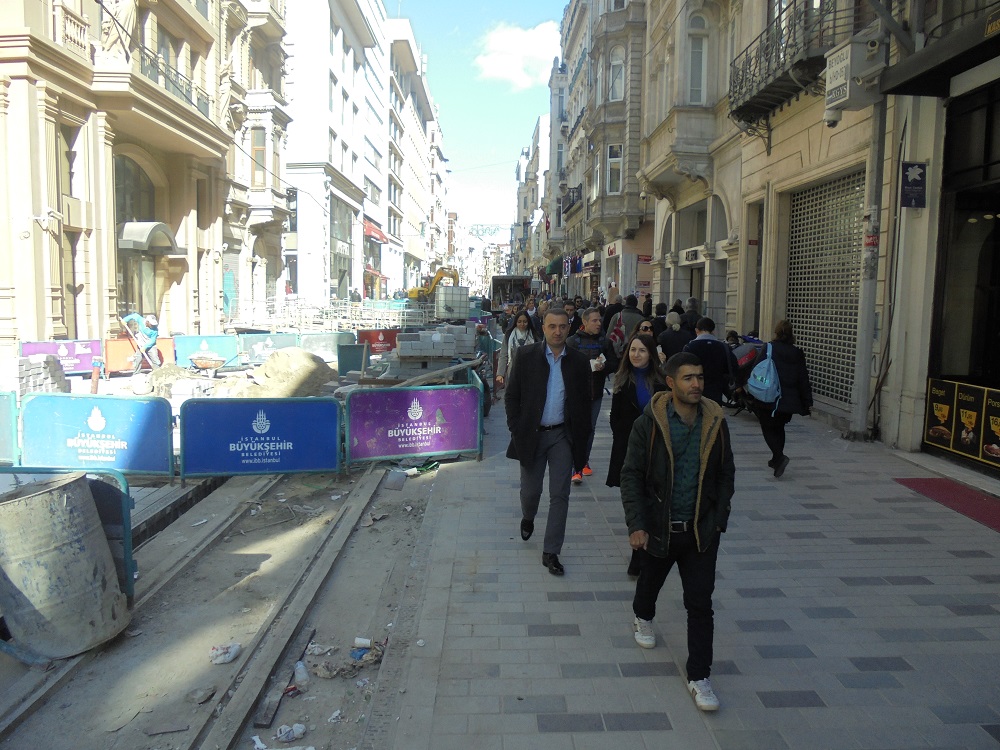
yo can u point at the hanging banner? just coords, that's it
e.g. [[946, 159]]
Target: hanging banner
[[259, 436], [76, 357], [396, 422], [132, 435]]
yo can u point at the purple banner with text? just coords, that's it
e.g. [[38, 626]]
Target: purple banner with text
[[397, 422], [74, 356]]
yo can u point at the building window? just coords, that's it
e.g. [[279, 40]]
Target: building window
[[333, 89], [276, 161], [615, 169], [595, 182], [616, 81], [698, 42], [67, 158], [560, 156], [374, 194], [258, 153]]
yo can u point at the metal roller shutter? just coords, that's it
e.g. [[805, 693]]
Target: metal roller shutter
[[824, 277]]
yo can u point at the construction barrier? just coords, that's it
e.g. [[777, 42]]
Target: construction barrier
[[225, 348], [9, 453], [76, 357], [404, 422], [130, 434], [259, 436]]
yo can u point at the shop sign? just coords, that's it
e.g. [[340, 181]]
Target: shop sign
[[612, 249], [645, 259], [964, 419], [259, 436], [75, 357], [396, 422], [98, 432]]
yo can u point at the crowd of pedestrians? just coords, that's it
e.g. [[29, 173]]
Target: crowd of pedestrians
[[669, 376]]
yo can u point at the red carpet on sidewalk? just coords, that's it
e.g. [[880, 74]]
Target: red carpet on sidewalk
[[970, 502]]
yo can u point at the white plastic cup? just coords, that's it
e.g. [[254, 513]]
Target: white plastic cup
[[362, 642]]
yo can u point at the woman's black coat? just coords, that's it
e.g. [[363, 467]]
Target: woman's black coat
[[624, 411]]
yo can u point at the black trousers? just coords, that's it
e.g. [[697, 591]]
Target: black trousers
[[773, 430], [697, 571]]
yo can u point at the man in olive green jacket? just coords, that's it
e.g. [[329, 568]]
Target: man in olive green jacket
[[677, 483]]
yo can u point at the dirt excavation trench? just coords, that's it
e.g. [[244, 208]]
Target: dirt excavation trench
[[320, 558]]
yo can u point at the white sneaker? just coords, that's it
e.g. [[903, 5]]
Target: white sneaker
[[704, 696], [644, 635]]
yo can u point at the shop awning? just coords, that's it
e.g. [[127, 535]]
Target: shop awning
[[375, 233], [928, 71], [555, 266], [151, 237]]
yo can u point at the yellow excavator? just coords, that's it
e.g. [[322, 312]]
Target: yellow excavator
[[426, 292]]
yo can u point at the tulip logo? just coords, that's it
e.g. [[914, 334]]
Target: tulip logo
[[415, 411], [96, 420], [261, 424]]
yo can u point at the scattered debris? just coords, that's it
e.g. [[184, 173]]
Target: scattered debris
[[165, 729], [373, 656], [290, 733], [335, 497], [133, 633], [301, 676], [199, 523], [224, 654], [394, 480], [408, 508], [420, 642], [317, 649], [335, 718], [360, 642], [257, 744], [307, 510], [201, 695], [371, 518]]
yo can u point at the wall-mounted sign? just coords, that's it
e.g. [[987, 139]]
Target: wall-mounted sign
[[913, 187], [76, 357], [964, 419], [259, 436], [392, 422], [97, 432], [645, 259]]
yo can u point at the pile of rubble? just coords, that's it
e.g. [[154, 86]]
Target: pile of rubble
[[36, 373]]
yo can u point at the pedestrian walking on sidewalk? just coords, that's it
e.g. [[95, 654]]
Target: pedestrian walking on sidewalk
[[637, 379], [547, 382], [521, 334], [796, 395], [677, 485], [595, 346]]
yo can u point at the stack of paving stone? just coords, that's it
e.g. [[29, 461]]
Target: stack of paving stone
[[443, 342], [36, 373]]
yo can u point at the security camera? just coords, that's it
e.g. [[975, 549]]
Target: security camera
[[873, 44], [831, 117], [642, 195]]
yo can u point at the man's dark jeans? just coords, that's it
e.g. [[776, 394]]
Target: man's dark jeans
[[697, 570]]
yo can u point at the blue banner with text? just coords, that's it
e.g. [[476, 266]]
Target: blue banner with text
[[132, 435], [259, 436]]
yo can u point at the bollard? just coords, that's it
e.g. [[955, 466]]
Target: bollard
[[95, 374]]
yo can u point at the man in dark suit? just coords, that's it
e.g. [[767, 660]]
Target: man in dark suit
[[546, 429]]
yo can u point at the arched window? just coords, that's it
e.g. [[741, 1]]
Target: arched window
[[616, 76], [134, 192], [697, 61]]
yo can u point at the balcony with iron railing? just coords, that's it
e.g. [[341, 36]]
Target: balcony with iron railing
[[153, 67], [573, 198], [787, 58]]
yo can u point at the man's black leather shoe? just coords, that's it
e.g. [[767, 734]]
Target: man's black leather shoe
[[551, 561], [527, 528]]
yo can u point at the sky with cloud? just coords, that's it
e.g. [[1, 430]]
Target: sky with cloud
[[488, 66]]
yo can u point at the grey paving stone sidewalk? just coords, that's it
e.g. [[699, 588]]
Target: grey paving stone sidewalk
[[851, 612]]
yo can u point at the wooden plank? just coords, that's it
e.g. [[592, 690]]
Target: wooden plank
[[269, 707], [273, 638]]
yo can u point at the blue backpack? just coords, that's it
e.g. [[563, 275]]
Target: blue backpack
[[763, 383]]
